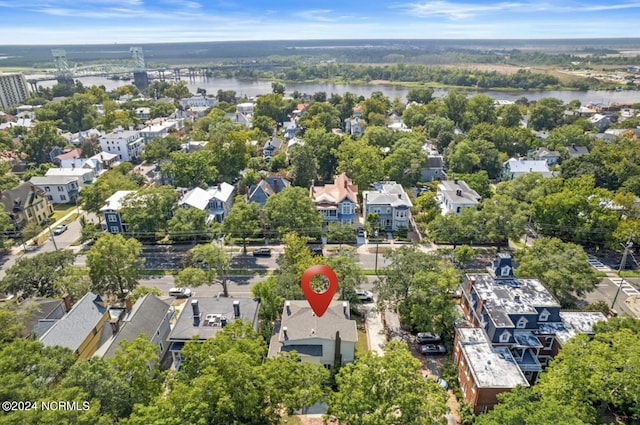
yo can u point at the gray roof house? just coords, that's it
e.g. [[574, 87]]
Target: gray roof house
[[204, 317], [545, 154], [266, 187], [577, 150], [517, 167], [150, 315], [315, 338], [80, 329], [390, 202], [434, 169], [455, 195]]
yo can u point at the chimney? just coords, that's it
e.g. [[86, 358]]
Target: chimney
[[275, 185], [67, 303], [458, 192], [472, 281], [196, 313], [284, 333], [345, 183], [127, 302], [516, 298], [219, 186], [455, 181], [345, 309], [287, 305], [399, 195], [236, 309]]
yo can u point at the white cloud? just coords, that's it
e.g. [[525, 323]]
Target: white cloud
[[456, 11]]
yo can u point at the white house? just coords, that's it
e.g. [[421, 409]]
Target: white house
[[217, 200], [390, 202], [456, 195], [517, 167], [198, 100], [314, 338], [127, 144], [245, 108], [354, 126], [84, 175], [156, 130], [59, 189]]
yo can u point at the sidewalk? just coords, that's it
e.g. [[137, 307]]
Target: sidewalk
[[18, 250]]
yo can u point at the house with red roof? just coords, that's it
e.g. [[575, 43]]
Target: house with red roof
[[337, 201]]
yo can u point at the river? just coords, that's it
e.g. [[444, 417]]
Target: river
[[254, 88]]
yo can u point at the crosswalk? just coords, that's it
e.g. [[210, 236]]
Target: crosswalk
[[596, 264], [625, 286]]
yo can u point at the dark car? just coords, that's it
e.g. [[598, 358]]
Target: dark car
[[262, 252], [60, 229], [433, 349], [428, 338], [316, 250]]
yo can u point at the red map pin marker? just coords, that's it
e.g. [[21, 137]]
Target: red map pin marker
[[319, 302]]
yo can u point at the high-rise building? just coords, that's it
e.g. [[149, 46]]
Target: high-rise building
[[13, 90]]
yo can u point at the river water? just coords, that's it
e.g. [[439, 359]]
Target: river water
[[251, 88]]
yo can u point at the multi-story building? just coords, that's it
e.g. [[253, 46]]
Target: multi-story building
[[517, 320], [338, 202], [391, 203], [455, 195], [127, 144], [25, 203], [327, 340], [216, 201], [111, 212], [13, 90], [198, 100], [58, 189]]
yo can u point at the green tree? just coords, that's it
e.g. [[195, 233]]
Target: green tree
[[35, 276], [278, 88], [293, 210], [162, 109], [509, 115], [73, 281], [463, 254], [380, 389], [501, 219], [321, 115], [147, 211], [546, 114], [292, 264], [360, 161], [270, 305], [161, 148], [188, 224], [113, 263], [140, 291], [422, 95], [350, 274], [405, 162], [195, 169], [95, 195], [40, 140], [340, 232], [561, 266], [323, 145], [216, 262], [455, 106], [243, 220], [304, 166]]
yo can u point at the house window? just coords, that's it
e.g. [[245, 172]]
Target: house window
[[60, 189], [549, 343], [112, 218], [49, 197], [505, 271], [114, 229], [47, 188], [63, 198], [505, 336], [522, 323], [347, 208], [544, 315]]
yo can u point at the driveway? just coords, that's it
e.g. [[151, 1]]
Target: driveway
[[376, 336]]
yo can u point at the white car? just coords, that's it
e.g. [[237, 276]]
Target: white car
[[364, 296], [180, 292]]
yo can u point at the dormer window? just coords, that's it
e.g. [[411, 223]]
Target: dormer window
[[505, 271], [522, 323], [544, 315], [504, 336]]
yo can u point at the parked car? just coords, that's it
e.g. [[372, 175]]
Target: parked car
[[180, 292], [262, 252], [433, 349], [363, 295], [316, 250], [428, 338], [360, 231], [60, 229]]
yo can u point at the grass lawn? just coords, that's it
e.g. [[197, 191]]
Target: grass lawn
[[291, 420], [60, 210], [629, 273]]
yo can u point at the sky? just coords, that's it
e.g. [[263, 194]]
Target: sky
[[141, 21]]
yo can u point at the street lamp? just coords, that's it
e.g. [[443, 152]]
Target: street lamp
[[375, 235]]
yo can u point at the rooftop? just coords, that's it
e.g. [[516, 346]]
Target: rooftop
[[114, 202], [211, 311], [46, 180], [387, 193], [528, 165], [572, 323], [200, 198], [74, 327], [458, 192], [336, 192], [491, 367]]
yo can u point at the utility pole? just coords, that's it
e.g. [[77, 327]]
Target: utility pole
[[628, 245], [53, 239]]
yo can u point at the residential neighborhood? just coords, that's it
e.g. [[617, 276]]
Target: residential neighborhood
[[477, 253]]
